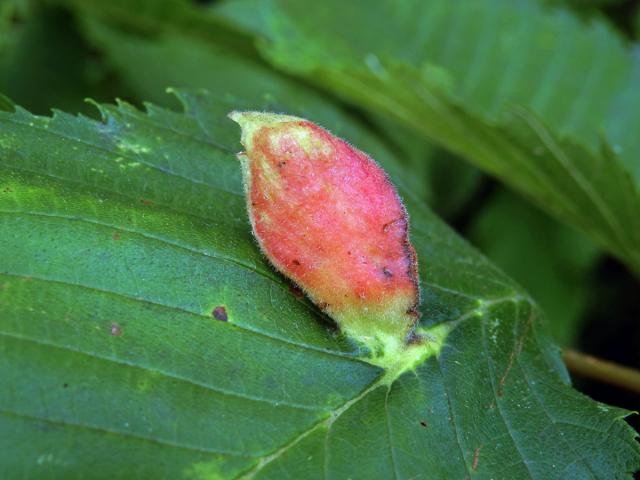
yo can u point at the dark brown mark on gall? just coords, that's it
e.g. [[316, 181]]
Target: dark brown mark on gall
[[296, 262], [116, 330], [414, 339], [412, 272], [323, 305], [386, 272], [297, 292], [413, 311], [281, 164], [387, 225], [220, 313]]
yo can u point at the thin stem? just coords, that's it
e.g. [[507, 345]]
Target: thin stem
[[601, 370]]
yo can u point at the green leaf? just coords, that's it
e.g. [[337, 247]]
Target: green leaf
[[533, 96], [45, 63], [6, 104], [155, 16], [584, 5], [444, 180], [121, 238], [550, 260]]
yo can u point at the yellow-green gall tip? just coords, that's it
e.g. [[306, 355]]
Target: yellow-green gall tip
[[252, 121]]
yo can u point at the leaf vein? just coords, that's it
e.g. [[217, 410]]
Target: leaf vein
[[392, 455], [121, 433], [164, 373], [244, 328], [497, 400]]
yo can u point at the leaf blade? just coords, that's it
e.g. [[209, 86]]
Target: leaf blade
[[90, 254]]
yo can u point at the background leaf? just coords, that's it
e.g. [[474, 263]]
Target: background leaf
[[39, 73], [551, 260], [532, 128], [122, 236]]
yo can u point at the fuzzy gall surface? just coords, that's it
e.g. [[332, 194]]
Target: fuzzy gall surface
[[327, 216]]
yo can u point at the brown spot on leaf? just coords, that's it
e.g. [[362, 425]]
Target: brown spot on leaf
[[144, 201], [514, 353], [65, 385], [424, 423], [116, 236], [220, 313], [116, 330], [476, 458]]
